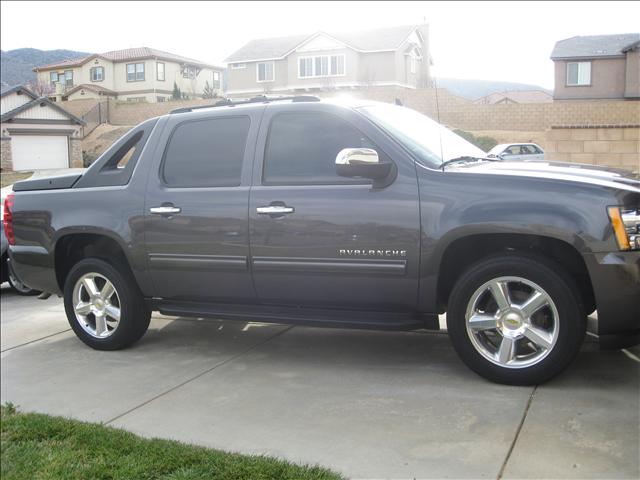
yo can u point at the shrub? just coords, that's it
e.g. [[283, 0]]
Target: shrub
[[483, 143]]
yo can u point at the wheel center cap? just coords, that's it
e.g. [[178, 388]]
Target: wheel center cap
[[511, 321], [99, 304]]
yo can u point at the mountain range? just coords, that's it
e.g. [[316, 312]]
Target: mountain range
[[16, 68]]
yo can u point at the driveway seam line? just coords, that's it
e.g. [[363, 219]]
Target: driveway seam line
[[515, 438], [180, 385], [34, 341]]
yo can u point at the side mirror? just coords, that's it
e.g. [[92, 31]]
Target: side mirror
[[502, 156], [361, 162]]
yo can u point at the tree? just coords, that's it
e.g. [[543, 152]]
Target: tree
[[208, 91], [176, 95], [42, 89]]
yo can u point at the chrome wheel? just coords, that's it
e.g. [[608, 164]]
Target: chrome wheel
[[96, 305], [512, 322]]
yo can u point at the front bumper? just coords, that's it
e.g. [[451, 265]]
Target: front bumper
[[615, 277]]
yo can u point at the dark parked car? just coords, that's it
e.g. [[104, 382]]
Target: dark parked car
[[362, 215]]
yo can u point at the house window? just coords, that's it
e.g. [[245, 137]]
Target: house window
[[578, 73], [137, 99], [161, 99], [306, 67], [216, 80], [413, 63], [68, 78], [189, 72], [97, 74], [265, 72], [53, 76], [238, 66], [135, 72], [321, 66], [160, 71]]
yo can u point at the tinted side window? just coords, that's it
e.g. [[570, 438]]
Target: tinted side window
[[206, 153], [302, 148]]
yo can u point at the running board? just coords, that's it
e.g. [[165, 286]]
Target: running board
[[302, 316]]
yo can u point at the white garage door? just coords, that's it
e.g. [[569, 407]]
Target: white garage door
[[36, 152]]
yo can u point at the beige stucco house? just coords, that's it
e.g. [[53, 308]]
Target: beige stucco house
[[37, 133], [597, 67], [134, 74], [395, 56]]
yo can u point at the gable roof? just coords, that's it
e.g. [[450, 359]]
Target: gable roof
[[94, 88], [128, 54], [16, 89], [594, 46], [39, 101], [380, 39]]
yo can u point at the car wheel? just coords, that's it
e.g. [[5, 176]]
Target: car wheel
[[16, 284], [104, 305], [516, 320]]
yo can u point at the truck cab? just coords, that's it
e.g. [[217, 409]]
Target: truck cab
[[338, 214]]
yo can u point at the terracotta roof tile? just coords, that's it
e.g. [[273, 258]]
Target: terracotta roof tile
[[128, 54]]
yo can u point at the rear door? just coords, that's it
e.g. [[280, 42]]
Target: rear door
[[530, 152], [196, 230], [330, 241]]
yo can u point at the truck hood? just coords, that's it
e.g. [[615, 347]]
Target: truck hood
[[571, 172]]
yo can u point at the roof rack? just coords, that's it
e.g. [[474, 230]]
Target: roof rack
[[228, 102]]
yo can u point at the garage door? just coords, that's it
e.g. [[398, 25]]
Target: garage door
[[35, 152]]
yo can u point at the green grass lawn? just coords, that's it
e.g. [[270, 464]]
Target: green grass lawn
[[39, 447]]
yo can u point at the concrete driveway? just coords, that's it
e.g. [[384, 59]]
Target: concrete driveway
[[366, 404]]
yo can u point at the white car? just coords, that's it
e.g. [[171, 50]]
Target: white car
[[517, 151]]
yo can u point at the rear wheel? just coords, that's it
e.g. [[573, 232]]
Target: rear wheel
[[516, 320], [104, 305]]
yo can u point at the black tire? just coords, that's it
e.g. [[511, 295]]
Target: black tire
[[16, 284], [134, 314], [555, 282]]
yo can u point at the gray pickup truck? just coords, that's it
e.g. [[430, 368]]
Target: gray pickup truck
[[338, 214]]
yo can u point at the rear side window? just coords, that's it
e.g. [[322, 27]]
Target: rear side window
[[206, 153], [302, 148]]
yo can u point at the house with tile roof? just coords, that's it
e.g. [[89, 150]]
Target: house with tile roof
[[597, 67], [134, 75], [393, 56]]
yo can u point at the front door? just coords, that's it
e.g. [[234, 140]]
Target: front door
[[321, 240], [196, 225]]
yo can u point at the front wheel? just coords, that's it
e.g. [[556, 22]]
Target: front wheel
[[516, 320], [104, 305]]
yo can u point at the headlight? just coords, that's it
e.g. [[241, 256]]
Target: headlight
[[626, 226]]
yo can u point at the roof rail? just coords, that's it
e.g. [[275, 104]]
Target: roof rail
[[228, 102]]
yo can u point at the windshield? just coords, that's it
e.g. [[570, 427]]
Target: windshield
[[431, 143]]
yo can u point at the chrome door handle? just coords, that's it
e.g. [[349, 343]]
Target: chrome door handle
[[165, 210], [274, 209]]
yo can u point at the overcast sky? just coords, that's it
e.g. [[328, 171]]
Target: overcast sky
[[508, 41]]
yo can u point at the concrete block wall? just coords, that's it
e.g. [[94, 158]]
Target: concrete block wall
[[610, 146], [452, 110]]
